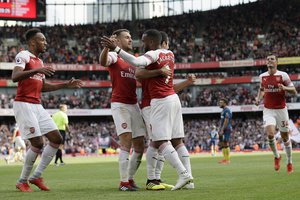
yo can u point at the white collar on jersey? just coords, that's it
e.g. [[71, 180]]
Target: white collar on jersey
[[31, 54]]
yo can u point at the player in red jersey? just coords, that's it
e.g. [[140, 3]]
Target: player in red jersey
[[125, 110], [273, 85], [166, 116], [144, 75], [33, 120]]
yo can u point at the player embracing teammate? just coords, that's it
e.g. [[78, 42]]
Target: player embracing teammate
[[166, 115]]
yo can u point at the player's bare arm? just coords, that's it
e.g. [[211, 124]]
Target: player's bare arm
[[140, 61], [73, 83], [259, 97], [103, 58], [144, 73], [191, 79], [19, 74], [289, 89], [108, 42]]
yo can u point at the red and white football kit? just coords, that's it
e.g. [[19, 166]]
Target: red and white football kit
[[32, 118], [125, 110], [166, 121], [275, 110]]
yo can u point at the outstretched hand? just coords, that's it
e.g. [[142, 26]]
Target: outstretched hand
[[191, 78], [109, 43], [48, 70], [75, 83]]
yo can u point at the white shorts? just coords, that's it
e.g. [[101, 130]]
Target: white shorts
[[166, 118], [277, 117], [33, 120], [146, 112], [128, 118], [19, 143]]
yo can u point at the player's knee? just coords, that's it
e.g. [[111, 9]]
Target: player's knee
[[59, 140], [125, 144], [176, 142], [285, 136], [37, 142], [139, 147], [38, 145]]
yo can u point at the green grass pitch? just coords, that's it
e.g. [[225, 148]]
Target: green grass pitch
[[248, 176]]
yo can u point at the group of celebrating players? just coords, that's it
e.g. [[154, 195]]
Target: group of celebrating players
[[160, 115]]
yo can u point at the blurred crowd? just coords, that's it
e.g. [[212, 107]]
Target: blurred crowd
[[93, 136], [228, 33]]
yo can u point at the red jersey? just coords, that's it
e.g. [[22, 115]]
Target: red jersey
[[29, 90], [160, 87], [123, 80], [274, 98], [145, 94]]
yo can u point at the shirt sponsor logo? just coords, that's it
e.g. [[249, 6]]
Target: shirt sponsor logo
[[38, 76], [129, 74]]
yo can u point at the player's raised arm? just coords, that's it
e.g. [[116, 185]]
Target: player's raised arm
[[73, 83], [191, 79], [103, 58], [140, 61]]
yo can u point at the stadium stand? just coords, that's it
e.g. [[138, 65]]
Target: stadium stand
[[223, 47]]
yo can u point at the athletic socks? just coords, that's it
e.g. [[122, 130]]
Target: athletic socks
[[171, 156], [288, 151], [272, 144], [159, 166], [47, 155], [123, 165], [151, 157], [29, 161], [184, 157], [134, 163]]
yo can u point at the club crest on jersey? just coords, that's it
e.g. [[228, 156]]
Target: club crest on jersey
[[277, 78], [32, 129], [19, 60], [124, 125]]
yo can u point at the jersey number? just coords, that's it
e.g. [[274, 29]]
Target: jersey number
[[284, 123], [168, 77]]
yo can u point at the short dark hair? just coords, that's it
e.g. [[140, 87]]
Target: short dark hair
[[164, 37], [272, 54], [31, 33], [225, 100], [154, 35], [119, 31]]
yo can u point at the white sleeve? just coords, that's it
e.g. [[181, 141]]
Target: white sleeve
[[141, 61], [22, 58], [112, 58], [286, 80], [260, 81]]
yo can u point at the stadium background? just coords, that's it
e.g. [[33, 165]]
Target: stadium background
[[224, 47]]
